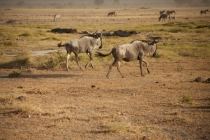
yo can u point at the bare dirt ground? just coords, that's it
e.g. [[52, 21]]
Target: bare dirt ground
[[171, 102], [86, 105]]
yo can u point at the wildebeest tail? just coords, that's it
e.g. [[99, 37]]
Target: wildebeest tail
[[61, 45], [99, 54]]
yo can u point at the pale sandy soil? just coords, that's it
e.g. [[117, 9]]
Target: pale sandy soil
[[86, 105]]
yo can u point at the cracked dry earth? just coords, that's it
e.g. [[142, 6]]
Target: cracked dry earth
[[166, 104]]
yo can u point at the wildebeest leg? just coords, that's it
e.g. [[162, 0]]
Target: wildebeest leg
[[146, 65], [118, 68], [76, 59], [67, 61], [140, 62], [110, 68], [90, 62]]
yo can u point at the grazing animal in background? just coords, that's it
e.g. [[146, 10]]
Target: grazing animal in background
[[163, 16], [84, 44], [161, 12], [111, 14], [169, 13], [204, 11], [130, 52], [57, 17]]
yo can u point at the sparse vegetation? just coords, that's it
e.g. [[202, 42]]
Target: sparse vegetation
[[18, 107], [114, 127], [186, 99], [48, 102], [15, 73]]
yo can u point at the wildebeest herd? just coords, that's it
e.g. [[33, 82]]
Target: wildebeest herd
[[167, 14], [134, 50], [126, 52], [163, 14]]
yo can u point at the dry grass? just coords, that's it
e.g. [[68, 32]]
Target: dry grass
[[16, 105], [47, 102]]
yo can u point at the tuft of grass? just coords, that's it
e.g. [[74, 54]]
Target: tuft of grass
[[22, 59], [9, 43], [186, 99], [12, 105], [25, 108], [5, 99], [52, 61], [15, 73], [25, 34], [114, 127]]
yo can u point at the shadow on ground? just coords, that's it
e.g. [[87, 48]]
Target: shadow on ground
[[41, 76]]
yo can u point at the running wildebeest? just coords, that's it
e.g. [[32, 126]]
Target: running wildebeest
[[57, 17], [204, 11], [130, 52], [163, 16], [161, 12], [84, 44], [111, 14]]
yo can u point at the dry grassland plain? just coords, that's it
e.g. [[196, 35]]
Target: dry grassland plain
[[39, 99]]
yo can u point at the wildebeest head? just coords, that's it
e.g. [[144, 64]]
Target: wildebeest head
[[98, 37], [99, 42], [154, 47]]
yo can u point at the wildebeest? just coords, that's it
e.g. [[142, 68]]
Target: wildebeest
[[57, 17], [163, 16], [170, 12], [130, 52], [84, 44], [111, 14], [204, 11], [161, 12]]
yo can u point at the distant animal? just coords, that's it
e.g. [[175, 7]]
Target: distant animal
[[130, 52], [161, 12], [57, 17], [84, 44], [111, 14], [204, 11], [170, 12], [163, 16]]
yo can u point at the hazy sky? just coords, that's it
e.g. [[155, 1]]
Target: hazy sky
[[106, 4]]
